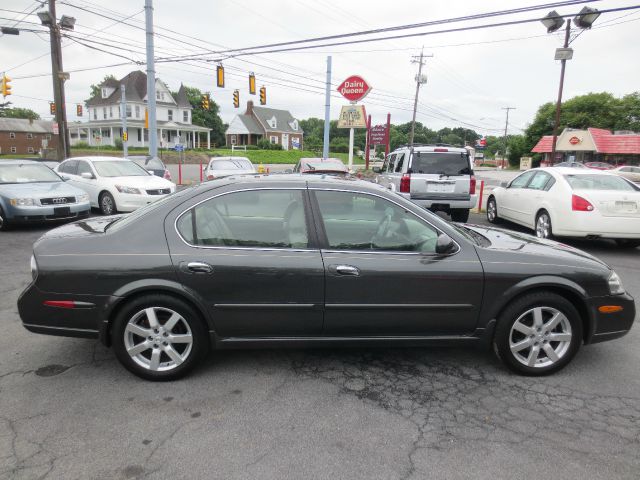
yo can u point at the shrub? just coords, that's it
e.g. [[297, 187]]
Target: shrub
[[81, 145], [118, 143]]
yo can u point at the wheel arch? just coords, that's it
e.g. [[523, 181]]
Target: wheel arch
[[127, 294], [568, 289]]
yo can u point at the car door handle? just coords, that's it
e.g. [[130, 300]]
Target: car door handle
[[347, 270], [199, 267]]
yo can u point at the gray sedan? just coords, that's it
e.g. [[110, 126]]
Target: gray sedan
[[298, 260]]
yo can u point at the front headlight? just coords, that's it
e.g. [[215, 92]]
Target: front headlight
[[615, 284], [123, 189], [34, 267], [82, 198], [22, 202]]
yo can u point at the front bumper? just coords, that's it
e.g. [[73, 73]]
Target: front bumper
[[608, 326], [37, 213], [127, 202]]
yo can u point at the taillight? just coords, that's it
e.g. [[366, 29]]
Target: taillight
[[167, 174], [210, 177], [579, 204], [405, 183], [472, 185], [60, 303]]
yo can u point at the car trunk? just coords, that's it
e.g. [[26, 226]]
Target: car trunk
[[613, 203], [440, 174]]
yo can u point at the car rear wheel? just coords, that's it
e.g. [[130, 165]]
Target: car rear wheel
[[538, 334], [492, 211], [107, 204], [543, 225], [628, 243], [159, 337], [460, 215]]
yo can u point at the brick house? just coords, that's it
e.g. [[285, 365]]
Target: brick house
[[277, 126], [19, 136]]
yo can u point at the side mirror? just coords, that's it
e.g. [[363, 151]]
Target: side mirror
[[377, 169], [445, 245], [504, 184], [87, 175]]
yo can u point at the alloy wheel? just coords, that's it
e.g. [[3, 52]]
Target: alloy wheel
[[107, 204], [543, 226], [491, 211], [158, 339], [540, 337]]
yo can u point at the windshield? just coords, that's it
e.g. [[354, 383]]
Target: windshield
[[119, 168], [153, 163], [454, 163], [235, 164], [325, 165], [27, 173], [471, 235], [598, 182]]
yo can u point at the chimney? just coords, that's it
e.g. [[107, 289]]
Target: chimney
[[249, 108]]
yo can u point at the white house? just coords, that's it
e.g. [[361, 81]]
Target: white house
[[105, 121]]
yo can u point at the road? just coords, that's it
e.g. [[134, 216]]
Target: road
[[68, 410]]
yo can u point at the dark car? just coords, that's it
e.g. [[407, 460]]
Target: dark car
[[152, 164], [321, 166], [298, 260]]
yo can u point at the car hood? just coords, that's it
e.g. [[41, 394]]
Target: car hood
[[529, 245], [39, 190], [150, 181]]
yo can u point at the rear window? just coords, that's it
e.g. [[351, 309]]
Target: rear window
[[325, 165], [237, 164], [441, 163], [598, 182]]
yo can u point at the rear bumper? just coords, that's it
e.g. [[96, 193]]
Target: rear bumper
[[608, 326], [587, 224], [443, 201]]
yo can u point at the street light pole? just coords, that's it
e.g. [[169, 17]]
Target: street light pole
[[556, 124]]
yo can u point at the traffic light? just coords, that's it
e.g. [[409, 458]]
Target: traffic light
[[236, 98], [79, 110], [220, 76], [52, 108], [125, 136], [205, 101], [252, 83], [6, 85], [263, 95]]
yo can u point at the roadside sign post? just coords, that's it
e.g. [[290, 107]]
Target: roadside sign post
[[354, 88], [367, 144], [123, 108]]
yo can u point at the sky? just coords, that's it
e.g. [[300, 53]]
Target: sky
[[471, 76]]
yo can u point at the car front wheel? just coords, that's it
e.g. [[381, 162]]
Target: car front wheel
[[159, 337], [492, 211], [538, 334], [107, 204]]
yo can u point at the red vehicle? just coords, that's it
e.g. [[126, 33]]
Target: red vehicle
[[598, 165], [321, 165]]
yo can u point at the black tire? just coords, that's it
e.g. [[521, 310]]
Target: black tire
[[135, 314], [492, 211], [460, 215], [543, 226], [4, 223], [628, 243], [520, 310], [107, 204]]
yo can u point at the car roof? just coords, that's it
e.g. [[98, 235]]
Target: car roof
[[297, 180], [17, 161], [573, 171], [431, 148], [101, 159], [229, 158]]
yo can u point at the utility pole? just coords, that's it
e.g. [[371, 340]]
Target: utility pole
[[506, 126], [123, 107], [151, 80], [64, 150], [327, 111], [419, 81], [559, 102]]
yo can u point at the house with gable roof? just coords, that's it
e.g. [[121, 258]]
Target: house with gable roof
[[105, 121], [277, 126]]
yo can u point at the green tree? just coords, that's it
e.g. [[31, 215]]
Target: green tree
[[19, 113], [629, 118], [205, 118]]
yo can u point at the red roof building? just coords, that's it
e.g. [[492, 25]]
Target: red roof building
[[591, 145]]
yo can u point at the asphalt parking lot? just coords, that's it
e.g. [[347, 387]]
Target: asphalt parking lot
[[69, 410]]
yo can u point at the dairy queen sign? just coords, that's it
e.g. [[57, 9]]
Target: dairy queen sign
[[354, 88]]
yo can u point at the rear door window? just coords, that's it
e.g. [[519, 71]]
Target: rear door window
[[441, 163], [539, 182]]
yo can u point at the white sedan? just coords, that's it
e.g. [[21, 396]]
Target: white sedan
[[114, 184], [628, 171], [224, 166], [570, 202]]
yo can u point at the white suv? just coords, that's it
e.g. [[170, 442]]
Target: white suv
[[437, 177]]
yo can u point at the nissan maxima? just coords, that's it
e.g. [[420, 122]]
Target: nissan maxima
[[290, 260]]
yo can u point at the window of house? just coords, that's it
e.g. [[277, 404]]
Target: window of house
[[273, 123], [357, 221], [30, 150], [128, 111], [294, 125], [252, 219], [14, 150], [170, 115], [48, 136], [95, 113], [157, 95], [137, 111], [273, 139], [12, 135], [104, 93], [110, 112], [139, 134], [29, 135], [233, 140], [185, 116], [104, 112]]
